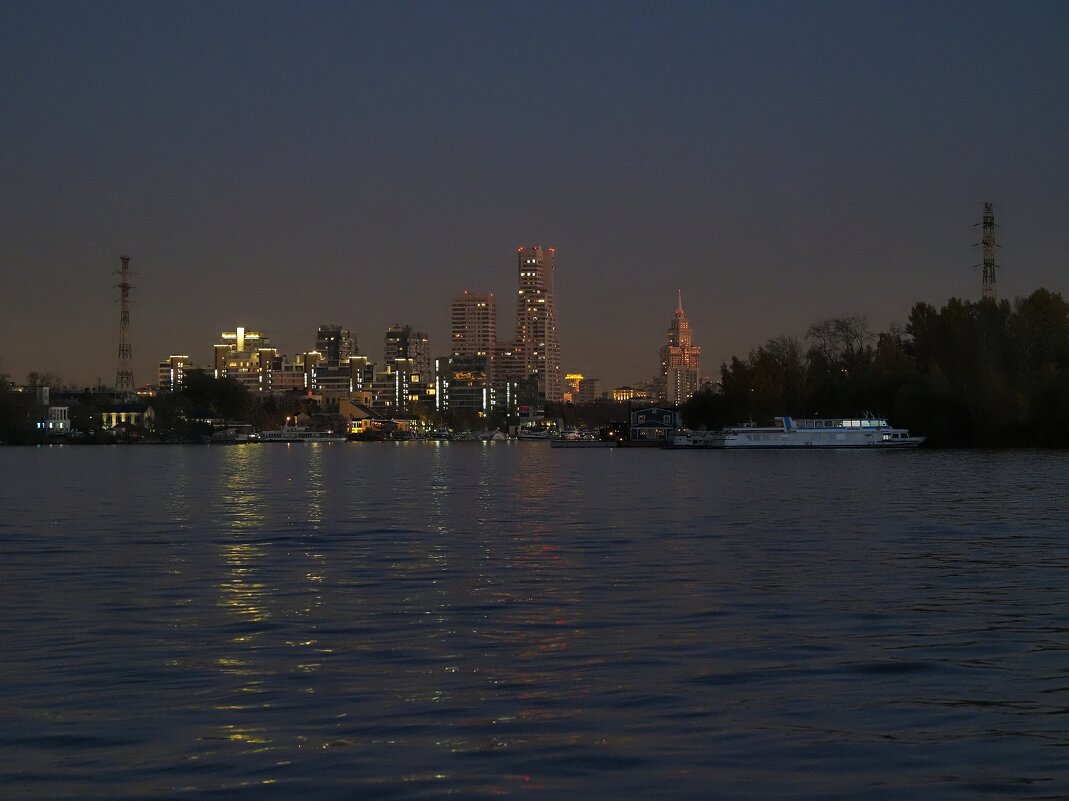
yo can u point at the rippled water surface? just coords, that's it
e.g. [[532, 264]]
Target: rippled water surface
[[415, 620]]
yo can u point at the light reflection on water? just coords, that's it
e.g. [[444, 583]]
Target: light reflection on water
[[413, 620]]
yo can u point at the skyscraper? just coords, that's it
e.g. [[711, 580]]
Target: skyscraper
[[536, 320], [679, 359], [474, 324]]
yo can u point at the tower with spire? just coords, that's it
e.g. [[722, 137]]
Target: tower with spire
[[680, 359]]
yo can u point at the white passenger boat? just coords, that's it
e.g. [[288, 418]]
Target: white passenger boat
[[299, 434], [861, 432], [685, 438]]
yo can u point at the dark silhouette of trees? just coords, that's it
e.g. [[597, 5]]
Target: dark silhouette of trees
[[970, 373], [19, 413]]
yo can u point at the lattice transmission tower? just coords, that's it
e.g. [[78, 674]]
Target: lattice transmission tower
[[124, 373], [987, 287]]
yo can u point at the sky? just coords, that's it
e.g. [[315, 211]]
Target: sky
[[282, 165]]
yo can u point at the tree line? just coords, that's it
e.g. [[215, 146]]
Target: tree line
[[981, 373]]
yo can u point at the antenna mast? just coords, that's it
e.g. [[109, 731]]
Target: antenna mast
[[124, 374], [988, 287]]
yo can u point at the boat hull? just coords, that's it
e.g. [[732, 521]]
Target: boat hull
[[582, 443], [810, 434], [912, 442]]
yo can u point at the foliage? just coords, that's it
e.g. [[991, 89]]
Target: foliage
[[970, 373], [182, 416], [19, 413]]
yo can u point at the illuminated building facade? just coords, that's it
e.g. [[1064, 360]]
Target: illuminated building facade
[[463, 384], [335, 343], [246, 357], [172, 373], [536, 319], [679, 360], [474, 324], [573, 383], [404, 343]]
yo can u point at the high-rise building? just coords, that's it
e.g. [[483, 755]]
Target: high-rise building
[[474, 329], [536, 319], [463, 384], [172, 373], [245, 356], [335, 343], [403, 343], [679, 360], [467, 380]]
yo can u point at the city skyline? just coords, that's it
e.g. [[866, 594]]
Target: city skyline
[[780, 164]]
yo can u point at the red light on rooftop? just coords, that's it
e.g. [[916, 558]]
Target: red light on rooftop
[[552, 250], [519, 250]]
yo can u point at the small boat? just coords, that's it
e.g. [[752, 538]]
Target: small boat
[[299, 434], [858, 432]]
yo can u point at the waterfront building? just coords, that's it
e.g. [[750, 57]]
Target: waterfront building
[[333, 380], [536, 319], [123, 416], [642, 392], [172, 373], [383, 390], [408, 389], [361, 375], [360, 418], [290, 377], [246, 357], [56, 421], [403, 342], [653, 424], [462, 384], [680, 358]]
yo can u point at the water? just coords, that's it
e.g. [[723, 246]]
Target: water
[[414, 620]]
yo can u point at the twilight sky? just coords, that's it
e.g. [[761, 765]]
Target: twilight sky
[[280, 165]]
